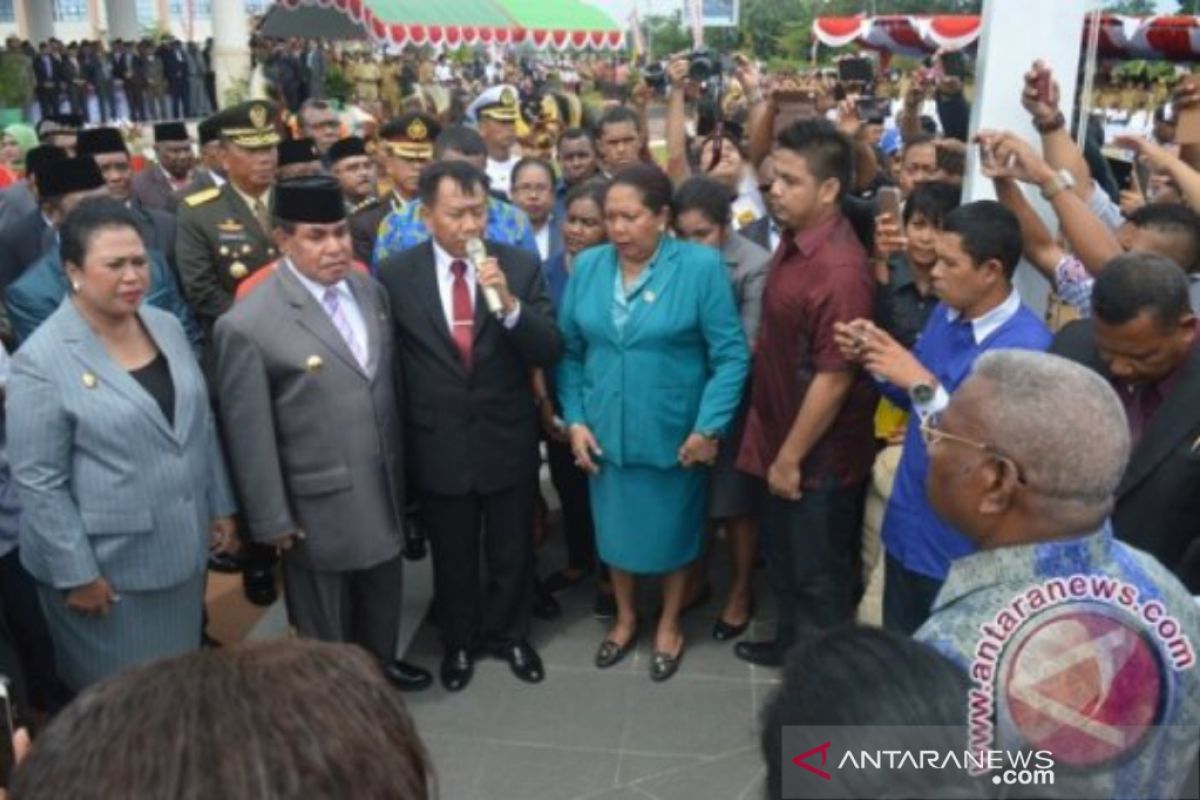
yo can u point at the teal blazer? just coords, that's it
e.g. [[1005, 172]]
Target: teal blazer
[[678, 366]]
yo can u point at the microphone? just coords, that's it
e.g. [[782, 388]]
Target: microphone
[[478, 254]]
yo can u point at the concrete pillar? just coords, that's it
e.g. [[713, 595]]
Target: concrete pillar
[[122, 19], [231, 49], [163, 15], [39, 19], [1014, 34]]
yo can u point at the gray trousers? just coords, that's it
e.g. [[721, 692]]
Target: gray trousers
[[361, 607]]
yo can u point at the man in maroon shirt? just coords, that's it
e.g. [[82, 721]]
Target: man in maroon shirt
[[809, 430]]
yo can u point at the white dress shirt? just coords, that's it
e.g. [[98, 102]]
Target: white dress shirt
[[347, 302], [445, 281]]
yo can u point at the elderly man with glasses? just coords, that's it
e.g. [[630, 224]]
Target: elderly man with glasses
[[1077, 644]]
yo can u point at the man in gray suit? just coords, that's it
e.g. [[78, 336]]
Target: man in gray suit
[[158, 187], [308, 404]]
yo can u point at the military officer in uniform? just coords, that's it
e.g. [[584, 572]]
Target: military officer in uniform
[[224, 232], [496, 111], [407, 144]]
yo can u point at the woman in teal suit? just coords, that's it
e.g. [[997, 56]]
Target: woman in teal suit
[[653, 372]]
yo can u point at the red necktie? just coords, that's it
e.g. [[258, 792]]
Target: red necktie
[[463, 329]]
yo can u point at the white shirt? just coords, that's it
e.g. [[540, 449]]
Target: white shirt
[[346, 302], [445, 280], [542, 237], [500, 174]]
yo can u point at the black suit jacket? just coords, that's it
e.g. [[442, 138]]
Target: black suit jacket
[[1158, 501], [759, 232], [471, 431]]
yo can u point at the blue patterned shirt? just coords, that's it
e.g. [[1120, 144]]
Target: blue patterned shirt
[[404, 228], [1082, 643]]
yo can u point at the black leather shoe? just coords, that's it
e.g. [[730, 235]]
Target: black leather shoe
[[544, 605], [259, 585], [226, 563], [458, 667], [664, 665], [407, 677], [605, 606], [526, 664], [764, 654], [723, 631], [610, 653]]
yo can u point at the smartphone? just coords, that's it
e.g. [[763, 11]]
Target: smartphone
[[855, 70], [794, 105], [1122, 170], [8, 758], [888, 202], [1043, 86], [954, 64]]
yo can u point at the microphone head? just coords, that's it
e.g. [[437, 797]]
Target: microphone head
[[475, 249]]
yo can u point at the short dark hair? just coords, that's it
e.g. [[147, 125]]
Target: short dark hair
[[571, 134], [460, 139], [650, 182], [593, 189], [1135, 283], [988, 230], [916, 141], [1172, 218], [465, 176], [827, 151], [703, 194], [533, 161], [157, 730], [91, 215], [615, 116], [933, 201], [867, 677]]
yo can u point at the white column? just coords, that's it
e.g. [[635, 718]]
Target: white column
[[39, 20], [122, 20], [1014, 34], [231, 50]]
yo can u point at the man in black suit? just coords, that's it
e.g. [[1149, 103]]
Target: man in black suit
[[46, 71], [1143, 339], [471, 422], [26, 239], [175, 67]]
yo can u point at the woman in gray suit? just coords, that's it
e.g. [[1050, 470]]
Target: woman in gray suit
[[115, 454]]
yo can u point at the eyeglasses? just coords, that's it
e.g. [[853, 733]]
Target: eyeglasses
[[932, 433]]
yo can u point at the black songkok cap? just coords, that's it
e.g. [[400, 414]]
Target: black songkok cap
[[70, 175], [297, 151], [171, 132], [347, 148], [100, 140], [316, 199]]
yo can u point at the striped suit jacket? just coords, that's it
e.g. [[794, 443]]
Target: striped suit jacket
[[108, 488]]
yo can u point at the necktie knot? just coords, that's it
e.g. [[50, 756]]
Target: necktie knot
[[459, 268]]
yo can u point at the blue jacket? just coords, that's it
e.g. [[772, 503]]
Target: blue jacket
[[678, 366], [33, 297]]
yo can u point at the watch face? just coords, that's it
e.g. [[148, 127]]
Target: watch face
[[922, 394]]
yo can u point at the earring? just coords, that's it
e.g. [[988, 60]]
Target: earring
[[74, 286]]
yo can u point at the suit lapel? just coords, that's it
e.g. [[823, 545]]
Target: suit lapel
[[429, 297], [663, 271], [1174, 420], [310, 316], [374, 321], [101, 371], [185, 405]]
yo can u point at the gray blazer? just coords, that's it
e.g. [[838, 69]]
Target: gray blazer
[[108, 488], [314, 440], [747, 263], [152, 190]]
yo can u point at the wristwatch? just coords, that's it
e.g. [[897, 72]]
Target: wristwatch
[[921, 394], [1061, 182]]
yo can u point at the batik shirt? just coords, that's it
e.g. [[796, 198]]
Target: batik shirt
[[404, 228], [1085, 647]]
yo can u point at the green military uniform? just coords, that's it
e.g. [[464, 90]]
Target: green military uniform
[[219, 241]]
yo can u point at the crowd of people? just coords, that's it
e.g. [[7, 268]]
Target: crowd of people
[[298, 342]]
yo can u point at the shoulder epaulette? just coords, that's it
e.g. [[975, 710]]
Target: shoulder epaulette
[[203, 196], [370, 202]]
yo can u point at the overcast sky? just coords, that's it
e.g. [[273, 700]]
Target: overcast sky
[[619, 9]]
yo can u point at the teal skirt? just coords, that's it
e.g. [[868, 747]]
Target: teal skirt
[[649, 520]]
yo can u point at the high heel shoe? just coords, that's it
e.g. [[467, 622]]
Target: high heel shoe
[[723, 631]]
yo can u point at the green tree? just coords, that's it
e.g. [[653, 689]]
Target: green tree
[[1134, 8], [666, 34], [1189, 7]]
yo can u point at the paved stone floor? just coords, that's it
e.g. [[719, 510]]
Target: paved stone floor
[[600, 734]]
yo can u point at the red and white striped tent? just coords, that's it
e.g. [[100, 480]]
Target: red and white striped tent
[[1167, 38]]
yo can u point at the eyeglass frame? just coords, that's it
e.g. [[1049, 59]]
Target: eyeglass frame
[[931, 433]]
